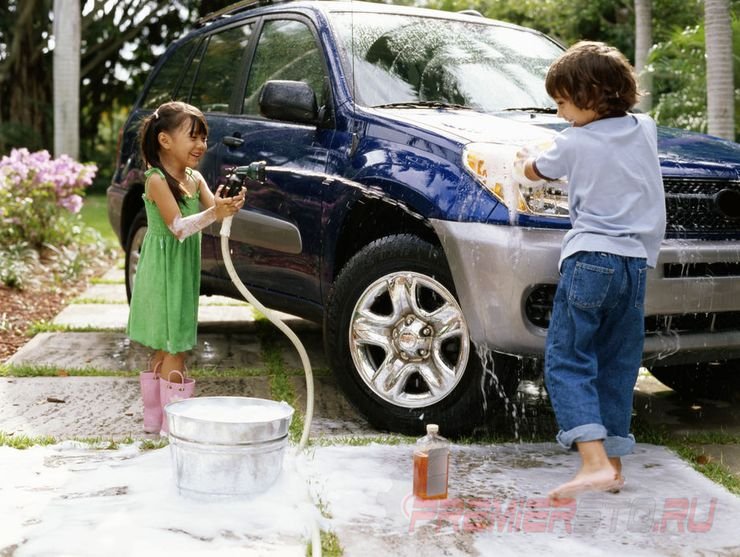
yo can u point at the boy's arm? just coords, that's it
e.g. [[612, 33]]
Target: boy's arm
[[525, 169], [531, 172]]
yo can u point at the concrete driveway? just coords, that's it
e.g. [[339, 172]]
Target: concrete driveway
[[496, 503]]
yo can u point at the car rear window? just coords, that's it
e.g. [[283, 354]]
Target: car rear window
[[220, 68], [164, 86]]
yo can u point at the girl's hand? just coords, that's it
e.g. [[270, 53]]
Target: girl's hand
[[240, 198], [227, 206]]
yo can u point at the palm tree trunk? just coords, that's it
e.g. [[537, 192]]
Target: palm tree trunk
[[643, 43], [67, 77], [720, 89]]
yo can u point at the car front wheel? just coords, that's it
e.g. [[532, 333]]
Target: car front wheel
[[398, 342]]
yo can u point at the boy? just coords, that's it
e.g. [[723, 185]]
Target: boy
[[617, 211]]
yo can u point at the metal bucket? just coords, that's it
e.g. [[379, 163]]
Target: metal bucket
[[227, 446]]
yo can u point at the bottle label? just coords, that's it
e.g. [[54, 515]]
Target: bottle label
[[437, 471]]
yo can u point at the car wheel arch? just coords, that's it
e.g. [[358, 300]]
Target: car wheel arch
[[132, 205], [365, 220]]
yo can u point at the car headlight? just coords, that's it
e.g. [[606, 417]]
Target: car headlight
[[491, 165]]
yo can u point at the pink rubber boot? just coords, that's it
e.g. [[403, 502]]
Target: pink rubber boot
[[149, 383], [170, 392]]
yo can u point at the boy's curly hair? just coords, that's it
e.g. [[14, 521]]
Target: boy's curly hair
[[593, 75]]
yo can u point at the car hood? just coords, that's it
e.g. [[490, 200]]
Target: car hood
[[682, 153]]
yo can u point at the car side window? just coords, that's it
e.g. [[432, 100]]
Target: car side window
[[164, 85], [218, 72], [287, 50]]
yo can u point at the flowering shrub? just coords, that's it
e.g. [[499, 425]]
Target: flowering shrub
[[39, 195]]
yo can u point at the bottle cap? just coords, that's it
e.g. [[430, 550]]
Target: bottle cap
[[432, 428]]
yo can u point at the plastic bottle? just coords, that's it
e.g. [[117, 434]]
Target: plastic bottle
[[431, 465]]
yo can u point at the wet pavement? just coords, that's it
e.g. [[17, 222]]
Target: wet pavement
[[109, 407]]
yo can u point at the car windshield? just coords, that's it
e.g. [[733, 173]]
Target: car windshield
[[412, 60]]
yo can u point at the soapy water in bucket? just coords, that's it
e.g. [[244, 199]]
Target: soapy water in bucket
[[227, 446], [235, 414]]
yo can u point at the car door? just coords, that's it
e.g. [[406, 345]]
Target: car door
[[212, 83], [289, 201]]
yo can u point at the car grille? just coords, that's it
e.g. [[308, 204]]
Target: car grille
[[692, 211], [693, 323], [538, 309]]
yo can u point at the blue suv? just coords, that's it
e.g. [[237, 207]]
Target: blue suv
[[389, 214]]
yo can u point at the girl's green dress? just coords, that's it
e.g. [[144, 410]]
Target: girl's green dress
[[164, 302]]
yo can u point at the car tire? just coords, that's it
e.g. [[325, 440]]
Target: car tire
[[708, 380], [393, 315], [133, 249]]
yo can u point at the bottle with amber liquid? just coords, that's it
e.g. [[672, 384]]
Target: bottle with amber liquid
[[431, 465]]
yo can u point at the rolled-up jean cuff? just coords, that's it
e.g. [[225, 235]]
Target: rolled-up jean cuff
[[619, 446], [581, 434]]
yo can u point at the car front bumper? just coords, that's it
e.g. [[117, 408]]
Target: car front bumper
[[497, 267]]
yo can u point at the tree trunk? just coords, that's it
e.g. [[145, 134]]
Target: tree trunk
[[720, 88], [643, 43], [67, 77]]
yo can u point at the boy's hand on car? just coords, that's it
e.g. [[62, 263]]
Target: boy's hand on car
[[524, 153], [519, 166]]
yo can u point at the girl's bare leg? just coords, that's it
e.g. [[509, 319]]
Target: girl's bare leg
[[596, 474], [157, 359], [172, 362]]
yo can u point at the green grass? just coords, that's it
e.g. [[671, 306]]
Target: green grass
[[686, 447], [362, 441], [105, 301], [48, 327], [101, 280], [22, 442], [28, 370], [94, 213], [330, 546]]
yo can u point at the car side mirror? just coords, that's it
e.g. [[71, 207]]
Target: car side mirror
[[293, 101]]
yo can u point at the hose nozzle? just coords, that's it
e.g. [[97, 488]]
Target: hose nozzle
[[254, 171]]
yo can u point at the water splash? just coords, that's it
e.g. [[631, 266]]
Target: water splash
[[370, 192], [490, 377]]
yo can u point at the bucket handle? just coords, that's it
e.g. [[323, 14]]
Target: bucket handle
[[181, 383]]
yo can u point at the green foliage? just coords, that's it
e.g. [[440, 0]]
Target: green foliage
[[610, 21], [15, 260], [680, 79]]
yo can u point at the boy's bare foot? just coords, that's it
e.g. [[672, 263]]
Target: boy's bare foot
[[616, 462], [602, 479]]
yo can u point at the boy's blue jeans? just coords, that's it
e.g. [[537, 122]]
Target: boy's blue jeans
[[594, 348]]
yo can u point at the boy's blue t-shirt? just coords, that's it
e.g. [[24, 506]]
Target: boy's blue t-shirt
[[615, 189]]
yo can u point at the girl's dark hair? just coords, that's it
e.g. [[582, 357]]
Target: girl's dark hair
[[167, 118], [594, 76]]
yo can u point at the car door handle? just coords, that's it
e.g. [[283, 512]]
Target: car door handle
[[232, 141]]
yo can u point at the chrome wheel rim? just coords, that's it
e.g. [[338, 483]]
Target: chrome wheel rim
[[409, 340]]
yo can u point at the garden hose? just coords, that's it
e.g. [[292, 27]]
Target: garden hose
[[225, 233]]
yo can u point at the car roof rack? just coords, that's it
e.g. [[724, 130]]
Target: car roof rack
[[234, 9]]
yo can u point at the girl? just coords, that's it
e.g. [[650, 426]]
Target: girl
[[617, 209], [164, 302]]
